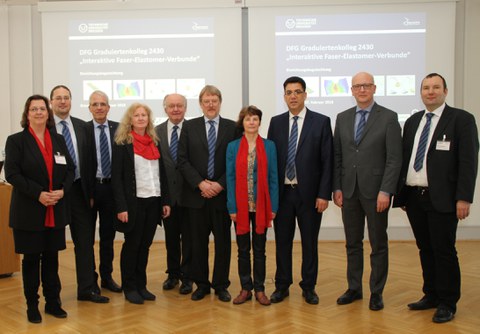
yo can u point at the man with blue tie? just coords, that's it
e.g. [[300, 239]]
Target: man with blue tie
[[437, 184], [368, 157], [177, 231], [80, 199], [103, 131], [305, 158]]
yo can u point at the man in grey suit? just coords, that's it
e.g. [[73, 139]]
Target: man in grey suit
[[368, 157], [177, 232]]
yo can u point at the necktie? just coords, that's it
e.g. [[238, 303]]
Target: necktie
[[68, 140], [174, 143], [292, 149], [104, 152], [211, 149], [422, 144], [361, 125]]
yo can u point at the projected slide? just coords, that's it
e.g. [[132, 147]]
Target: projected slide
[[140, 60], [327, 50]]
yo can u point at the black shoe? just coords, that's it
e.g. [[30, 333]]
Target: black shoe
[[442, 314], [376, 302], [170, 283], [55, 310], [279, 295], [94, 297], [133, 297], [147, 295], [423, 304], [33, 315], [111, 285], [96, 289], [223, 295], [310, 296], [186, 287], [200, 293], [349, 297]]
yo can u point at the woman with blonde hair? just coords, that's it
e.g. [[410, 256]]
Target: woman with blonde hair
[[141, 196]]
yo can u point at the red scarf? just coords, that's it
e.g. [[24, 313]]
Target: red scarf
[[48, 158], [144, 146], [263, 206]]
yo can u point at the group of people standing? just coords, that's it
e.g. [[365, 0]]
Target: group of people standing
[[196, 176]]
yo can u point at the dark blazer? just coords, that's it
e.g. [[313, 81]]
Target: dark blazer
[[193, 160], [314, 159], [112, 126], [451, 174], [174, 176], [25, 169], [125, 187], [374, 164]]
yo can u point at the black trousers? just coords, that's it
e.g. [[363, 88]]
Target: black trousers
[[204, 221], [135, 249], [435, 233], [104, 207], [178, 243], [244, 243], [41, 267]]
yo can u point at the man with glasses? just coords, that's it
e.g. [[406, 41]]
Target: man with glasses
[[305, 158], [177, 231], [80, 146], [202, 162], [103, 132], [368, 158]]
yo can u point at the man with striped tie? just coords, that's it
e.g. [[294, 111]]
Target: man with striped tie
[[368, 156], [103, 132], [80, 198], [177, 231]]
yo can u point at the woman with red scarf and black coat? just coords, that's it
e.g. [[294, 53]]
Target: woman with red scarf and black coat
[[252, 200], [141, 196]]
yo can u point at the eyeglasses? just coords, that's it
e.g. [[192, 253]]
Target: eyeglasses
[[365, 86], [98, 104], [61, 98], [178, 106], [294, 92], [208, 102], [35, 109]]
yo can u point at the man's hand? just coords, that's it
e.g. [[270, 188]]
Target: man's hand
[[321, 205], [383, 202], [338, 198], [463, 209]]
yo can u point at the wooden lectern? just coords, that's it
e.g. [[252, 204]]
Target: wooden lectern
[[9, 260]]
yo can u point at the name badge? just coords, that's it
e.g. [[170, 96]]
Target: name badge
[[443, 145], [60, 160]]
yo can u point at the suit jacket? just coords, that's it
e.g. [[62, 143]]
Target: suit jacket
[[272, 175], [193, 160], [314, 158], [25, 169], [112, 127], [374, 164], [451, 173], [174, 176], [125, 187]]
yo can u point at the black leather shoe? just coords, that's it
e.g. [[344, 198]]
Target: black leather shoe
[[199, 294], [170, 283], [310, 296], [349, 297], [55, 310], [186, 287], [223, 295], [111, 285], [96, 289], [94, 297], [33, 315], [279, 295], [147, 295], [133, 297], [376, 302], [442, 314], [423, 304]]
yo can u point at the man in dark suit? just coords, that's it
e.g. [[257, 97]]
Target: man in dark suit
[[367, 161], [440, 161], [80, 198], [103, 131], [177, 231], [305, 159], [202, 161]]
